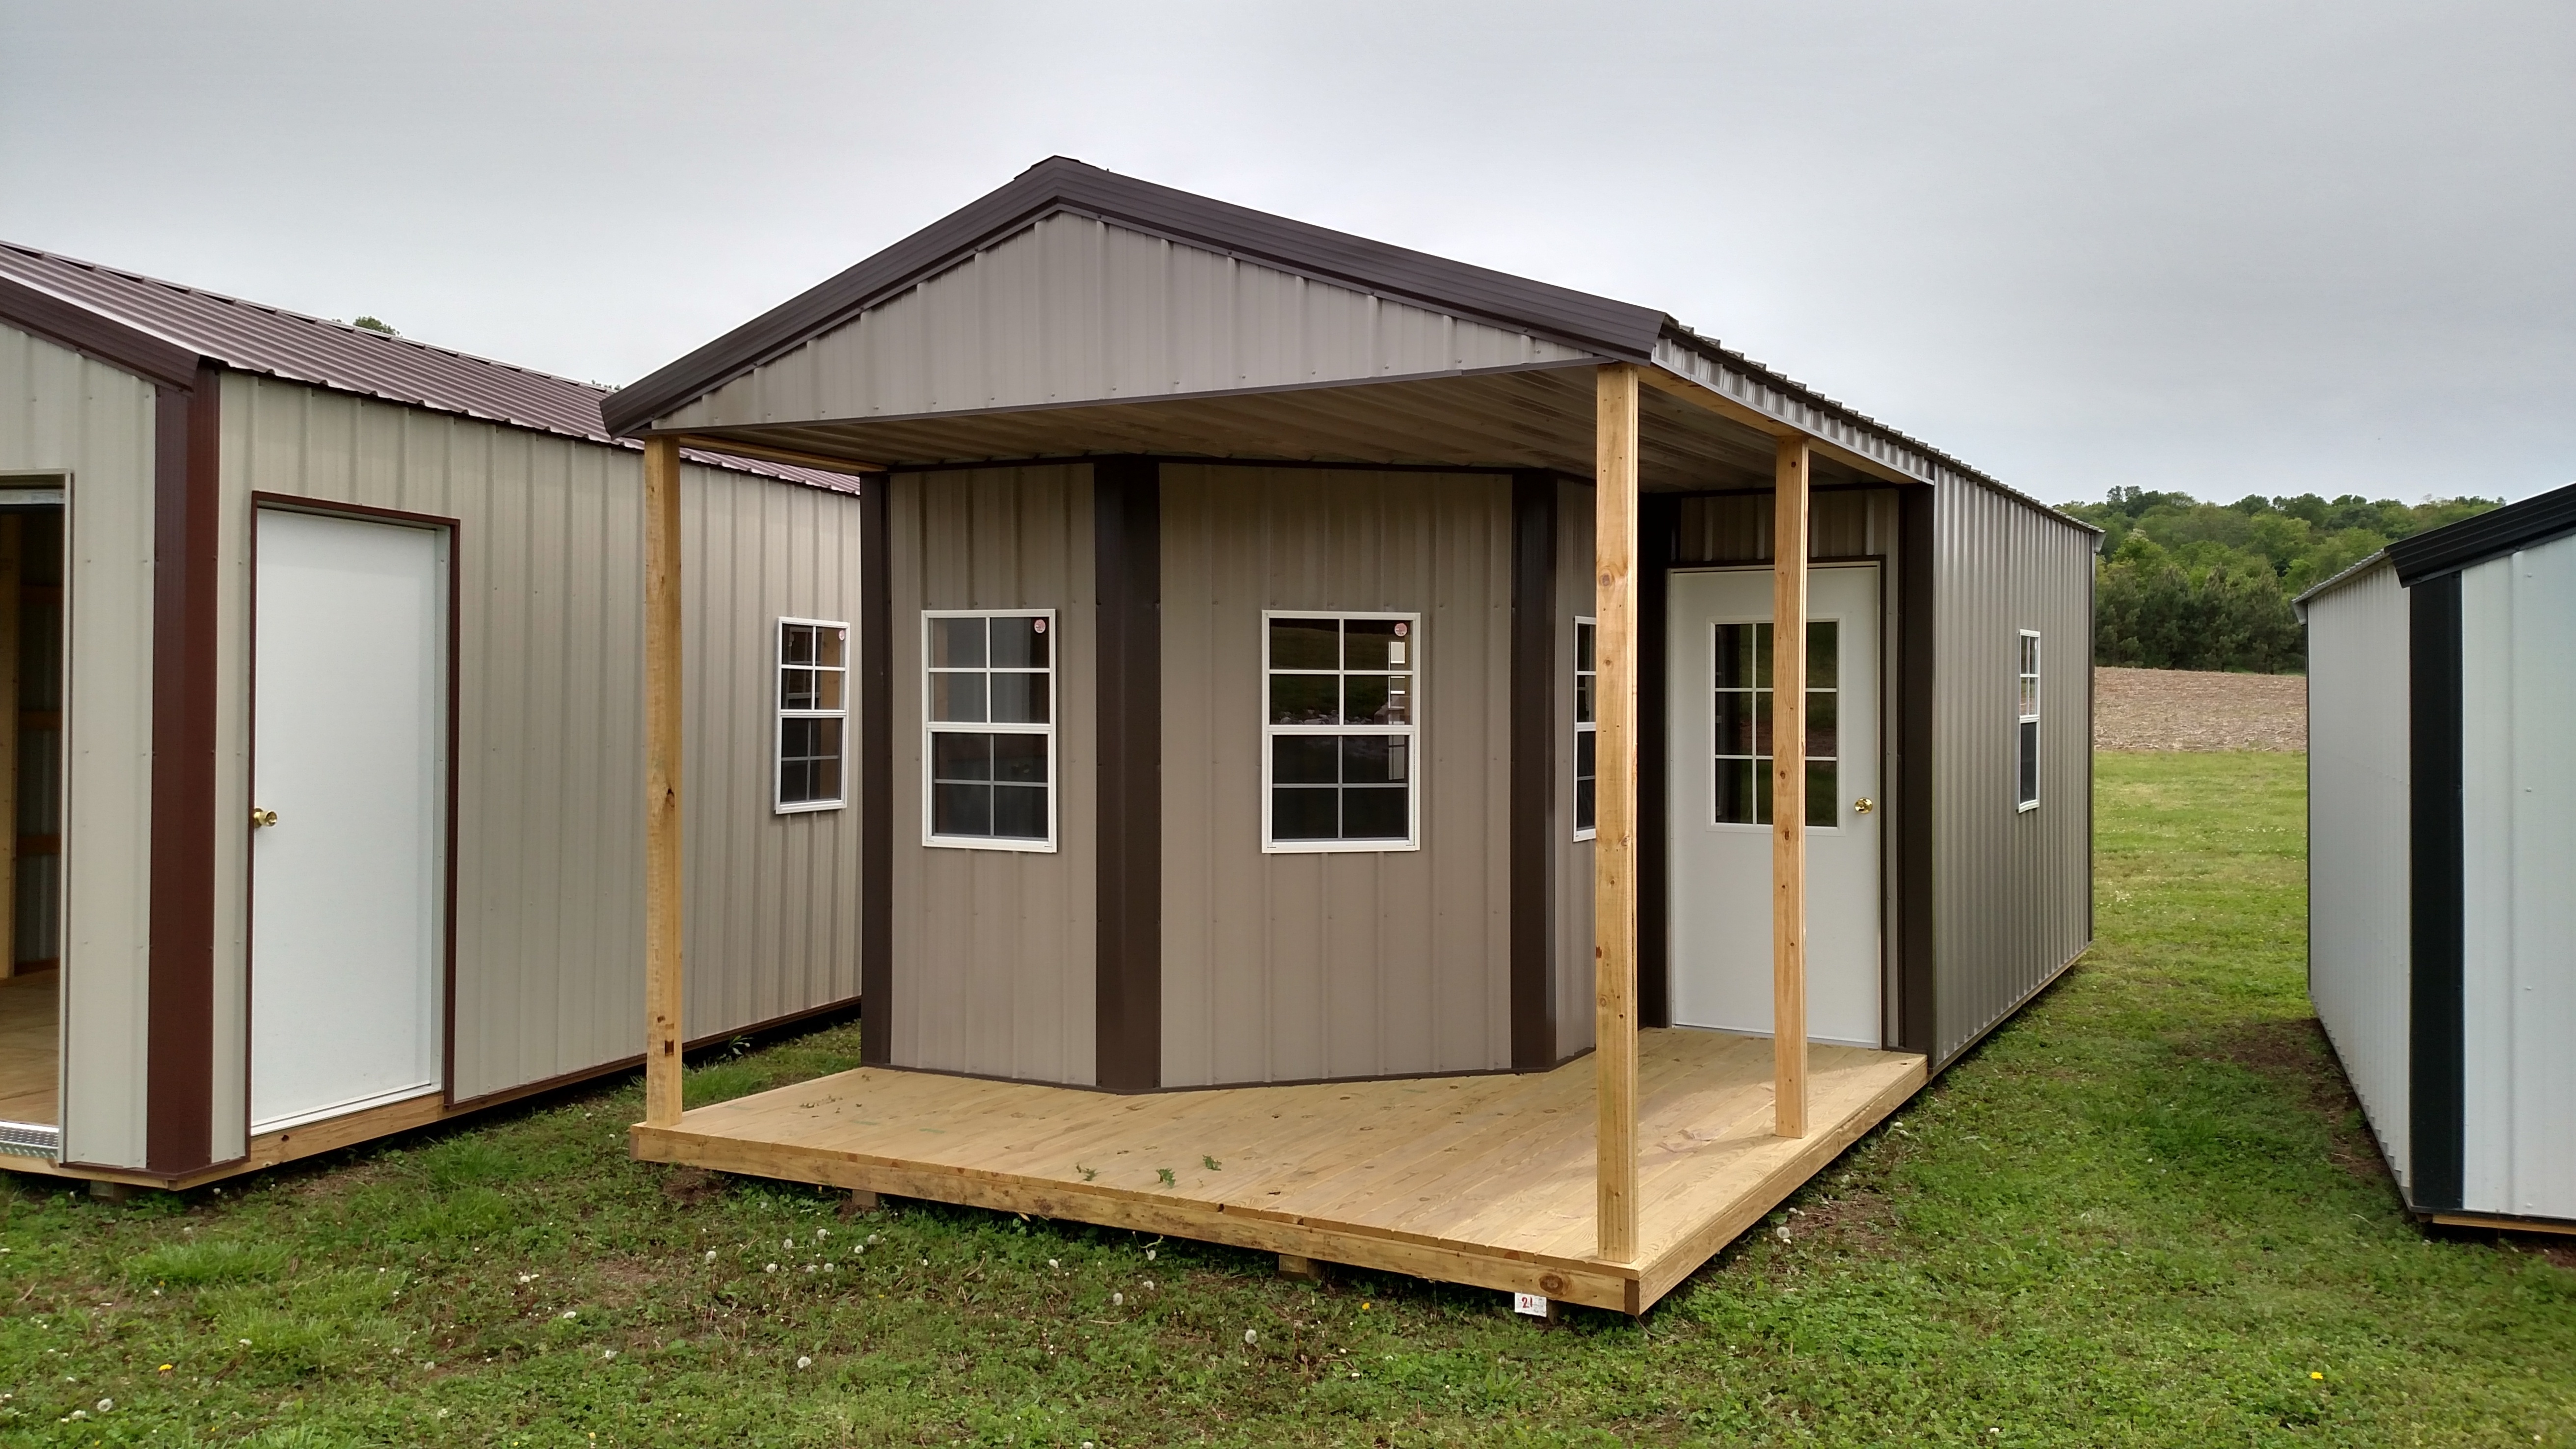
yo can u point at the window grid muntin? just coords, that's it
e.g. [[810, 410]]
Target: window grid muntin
[[1753, 768], [810, 715], [989, 731], [2026, 726], [1587, 712], [1405, 734]]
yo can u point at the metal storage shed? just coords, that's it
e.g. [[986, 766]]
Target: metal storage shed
[[1328, 688], [2442, 830], [258, 568]]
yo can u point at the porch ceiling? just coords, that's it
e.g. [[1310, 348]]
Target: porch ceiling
[[1538, 418]]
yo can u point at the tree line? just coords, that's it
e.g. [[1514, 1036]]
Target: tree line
[[2183, 584]]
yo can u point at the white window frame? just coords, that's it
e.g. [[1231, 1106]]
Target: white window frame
[[1412, 733], [1582, 727], [1055, 714], [780, 714], [2026, 686], [1762, 780]]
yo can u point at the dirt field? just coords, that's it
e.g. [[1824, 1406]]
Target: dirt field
[[2189, 709]]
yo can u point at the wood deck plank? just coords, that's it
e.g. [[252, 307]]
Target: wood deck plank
[[30, 1049], [1480, 1180]]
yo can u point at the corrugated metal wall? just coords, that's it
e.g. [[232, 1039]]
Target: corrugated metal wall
[[2012, 889], [2518, 837], [2358, 881], [1576, 595], [62, 413], [1291, 967], [549, 976], [994, 950], [1736, 527], [1073, 309]]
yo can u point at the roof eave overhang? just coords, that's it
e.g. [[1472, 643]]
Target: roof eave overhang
[[95, 334], [2473, 541]]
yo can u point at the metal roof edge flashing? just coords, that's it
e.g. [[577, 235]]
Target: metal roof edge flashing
[[2340, 578], [2472, 541]]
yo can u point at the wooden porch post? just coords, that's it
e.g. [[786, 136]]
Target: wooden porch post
[[1614, 847], [662, 978], [1789, 788]]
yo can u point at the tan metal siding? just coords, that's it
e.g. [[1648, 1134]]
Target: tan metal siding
[[1292, 967], [1576, 595], [994, 950], [2360, 889], [1073, 310], [2012, 890], [773, 924], [549, 913], [62, 413]]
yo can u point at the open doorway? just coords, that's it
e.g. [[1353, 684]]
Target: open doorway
[[31, 813]]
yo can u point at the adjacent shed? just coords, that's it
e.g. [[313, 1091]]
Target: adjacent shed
[[2442, 830], [1330, 687], [324, 657]]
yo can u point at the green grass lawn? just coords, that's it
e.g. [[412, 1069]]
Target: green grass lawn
[[2143, 1212]]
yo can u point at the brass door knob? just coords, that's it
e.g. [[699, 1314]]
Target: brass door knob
[[259, 817], [1861, 806]]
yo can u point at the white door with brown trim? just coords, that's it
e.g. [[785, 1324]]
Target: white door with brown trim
[[1720, 743], [349, 806]]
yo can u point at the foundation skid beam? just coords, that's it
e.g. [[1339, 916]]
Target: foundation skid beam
[[1789, 787], [1614, 869], [662, 965]]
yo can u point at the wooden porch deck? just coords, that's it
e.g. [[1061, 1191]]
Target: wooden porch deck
[[1486, 1181]]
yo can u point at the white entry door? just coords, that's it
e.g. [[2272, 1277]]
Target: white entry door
[[348, 883], [1721, 801]]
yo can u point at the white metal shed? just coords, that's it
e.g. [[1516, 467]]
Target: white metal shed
[[2442, 866]]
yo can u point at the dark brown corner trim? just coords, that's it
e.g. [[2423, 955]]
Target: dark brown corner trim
[[1127, 555], [180, 969], [876, 778], [1533, 776], [1658, 523], [1917, 973], [94, 335]]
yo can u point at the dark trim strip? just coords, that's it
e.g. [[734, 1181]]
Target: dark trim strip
[[1917, 955], [97, 336], [1127, 557], [1534, 825], [876, 776], [1197, 460], [2471, 541], [1658, 528], [180, 970], [2435, 1068]]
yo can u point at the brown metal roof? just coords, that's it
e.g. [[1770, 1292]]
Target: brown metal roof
[[170, 320]]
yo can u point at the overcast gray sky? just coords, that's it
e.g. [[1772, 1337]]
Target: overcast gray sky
[[2218, 247]]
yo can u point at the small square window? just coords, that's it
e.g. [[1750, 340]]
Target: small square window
[[1341, 706], [813, 714], [988, 729]]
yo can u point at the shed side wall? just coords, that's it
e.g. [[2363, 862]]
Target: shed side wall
[[550, 755], [2012, 888], [1073, 309], [2358, 885], [1298, 966], [62, 413], [1577, 595], [2518, 834], [995, 950]]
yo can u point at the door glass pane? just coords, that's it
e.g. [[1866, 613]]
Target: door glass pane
[[1824, 640]]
